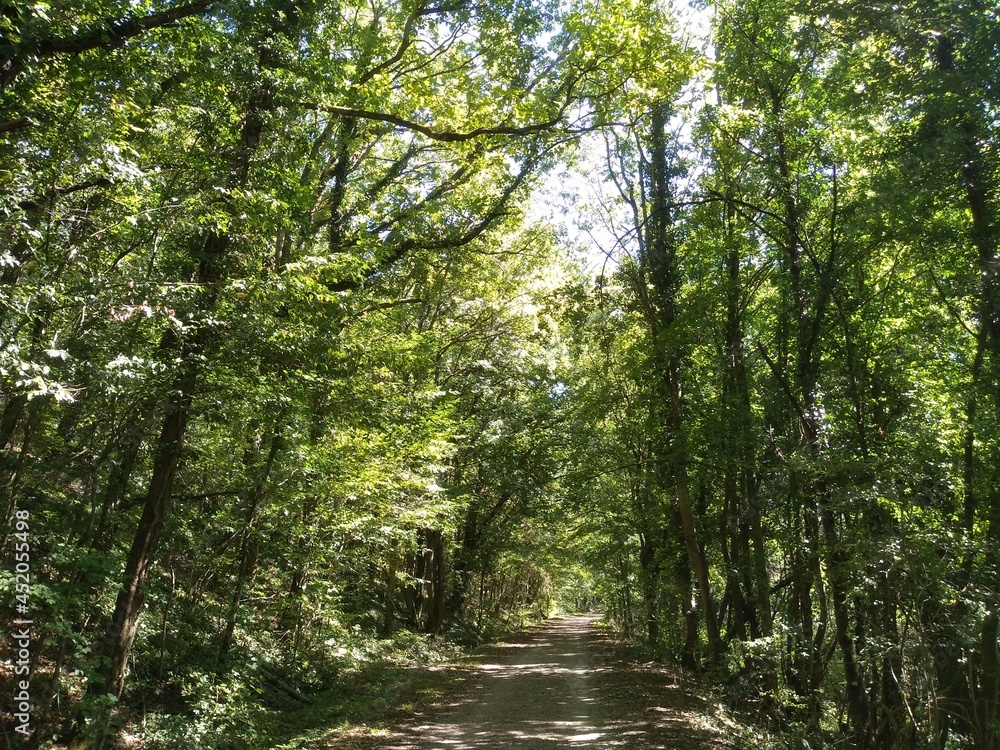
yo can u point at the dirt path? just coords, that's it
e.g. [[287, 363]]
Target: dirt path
[[558, 686]]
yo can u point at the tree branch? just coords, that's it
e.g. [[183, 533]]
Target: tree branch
[[108, 34], [111, 34], [35, 204], [446, 136], [782, 382], [409, 244], [21, 122], [419, 12]]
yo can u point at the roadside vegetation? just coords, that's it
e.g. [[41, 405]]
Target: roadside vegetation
[[308, 375]]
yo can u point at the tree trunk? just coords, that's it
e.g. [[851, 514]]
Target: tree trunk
[[10, 461], [389, 594], [248, 547], [660, 268], [649, 566], [116, 643], [989, 685], [436, 592]]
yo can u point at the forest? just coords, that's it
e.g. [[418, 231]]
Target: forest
[[333, 333]]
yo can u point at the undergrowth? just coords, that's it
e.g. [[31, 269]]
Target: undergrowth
[[359, 681]]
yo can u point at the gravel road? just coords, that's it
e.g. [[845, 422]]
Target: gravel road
[[559, 686]]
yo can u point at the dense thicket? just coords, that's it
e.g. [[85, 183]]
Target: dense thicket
[[290, 369], [797, 362], [269, 339]]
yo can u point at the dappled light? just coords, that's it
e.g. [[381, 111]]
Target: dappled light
[[348, 345], [558, 686]]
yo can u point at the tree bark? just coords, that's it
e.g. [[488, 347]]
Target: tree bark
[[108, 34], [248, 546], [660, 269], [649, 566], [989, 685], [116, 644], [436, 592]]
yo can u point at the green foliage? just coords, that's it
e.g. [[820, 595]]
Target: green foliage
[[270, 279]]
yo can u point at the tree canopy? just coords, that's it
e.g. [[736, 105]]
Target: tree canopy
[[298, 368]]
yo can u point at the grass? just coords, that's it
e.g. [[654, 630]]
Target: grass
[[354, 691], [371, 697], [365, 699]]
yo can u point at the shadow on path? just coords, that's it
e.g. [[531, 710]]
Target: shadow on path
[[559, 685]]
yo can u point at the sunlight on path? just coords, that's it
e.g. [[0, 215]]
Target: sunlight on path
[[557, 687], [537, 693]]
